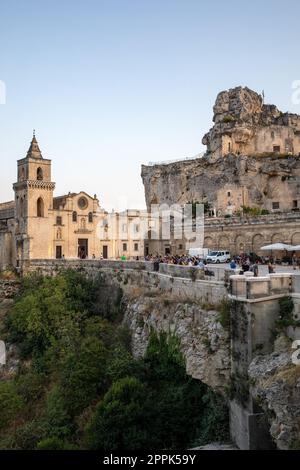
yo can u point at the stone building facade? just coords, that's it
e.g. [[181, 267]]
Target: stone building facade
[[235, 234], [37, 225]]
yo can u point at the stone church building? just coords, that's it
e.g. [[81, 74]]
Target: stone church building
[[37, 225]]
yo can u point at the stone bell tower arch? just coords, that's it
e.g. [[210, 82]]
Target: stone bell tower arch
[[33, 206]]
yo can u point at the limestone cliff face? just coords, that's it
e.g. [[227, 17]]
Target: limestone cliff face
[[264, 179], [204, 342], [276, 387], [251, 145]]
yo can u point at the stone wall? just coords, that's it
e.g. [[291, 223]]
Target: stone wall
[[139, 274], [6, 249], [266, 397], [249, 234], [240, 234], [8, 288]]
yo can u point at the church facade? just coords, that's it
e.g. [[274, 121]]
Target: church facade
[[37, 225]]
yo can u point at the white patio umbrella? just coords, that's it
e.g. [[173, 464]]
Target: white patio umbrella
[[294, 248], [276, 247]]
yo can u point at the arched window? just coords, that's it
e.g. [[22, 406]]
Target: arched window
[[90, 217], [74, 216], [40, 207], [21, 207], [39, 174], [22, 173]]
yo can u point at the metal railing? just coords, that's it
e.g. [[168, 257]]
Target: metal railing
[[168, 162]]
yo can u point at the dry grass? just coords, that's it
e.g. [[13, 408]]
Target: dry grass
[[291, 375], [8, 275]]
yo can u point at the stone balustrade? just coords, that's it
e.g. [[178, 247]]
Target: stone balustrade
[[210, 273], [173, 280], [215, 273], [251, 220], [249, 287], [78, 263]]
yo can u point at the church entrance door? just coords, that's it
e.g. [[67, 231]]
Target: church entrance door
[[83, 244]]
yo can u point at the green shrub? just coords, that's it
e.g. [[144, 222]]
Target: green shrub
[[253, 211], [77, 355], [30, 386], [214, 422], [29, 434], [83, 374], [120, 421], [10, 403], [56, 418], [224, 314], [228, 119], [54, 443], [286, 309]]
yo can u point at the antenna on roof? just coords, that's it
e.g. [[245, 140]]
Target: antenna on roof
[[263, 96]]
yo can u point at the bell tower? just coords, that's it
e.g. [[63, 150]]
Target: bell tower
[[33, 206]]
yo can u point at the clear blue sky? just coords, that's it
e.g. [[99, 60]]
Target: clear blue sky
[[109, 85]]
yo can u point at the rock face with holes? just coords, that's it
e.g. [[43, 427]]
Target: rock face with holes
[[276, 386], [205, 344], [244, 125], [226, 183], [252, 159], [8, 288]]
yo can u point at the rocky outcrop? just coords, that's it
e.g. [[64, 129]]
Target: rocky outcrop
[[252, 146], [204, 342], [216, 446], [241, 117], [8, 288], [265, 179], [276, 387]]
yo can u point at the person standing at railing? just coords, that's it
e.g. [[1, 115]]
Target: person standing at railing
[[254, 269], [271, 268], [232, 264], [201, 265]]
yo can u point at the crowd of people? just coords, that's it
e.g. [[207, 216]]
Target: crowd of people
[[241, 263], [182, 260]]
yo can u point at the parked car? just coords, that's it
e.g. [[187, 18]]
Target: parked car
[[218, 257]]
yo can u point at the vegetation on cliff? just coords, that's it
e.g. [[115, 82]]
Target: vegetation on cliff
[[78, 386]]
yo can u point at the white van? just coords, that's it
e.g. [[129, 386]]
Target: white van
[[218, 257]]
